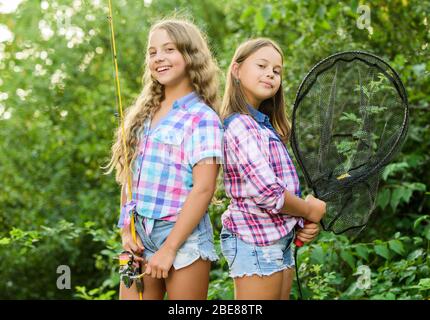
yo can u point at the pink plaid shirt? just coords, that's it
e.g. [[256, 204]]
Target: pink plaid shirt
[[257, 171]]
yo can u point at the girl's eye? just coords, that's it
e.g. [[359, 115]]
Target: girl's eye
[[151, 53], [170, 49], [260, 65], [277, 72]]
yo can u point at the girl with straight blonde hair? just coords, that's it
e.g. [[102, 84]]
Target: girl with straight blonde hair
[[260, 178]]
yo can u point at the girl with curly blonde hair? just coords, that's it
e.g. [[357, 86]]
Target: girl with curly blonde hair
[[173, 139]]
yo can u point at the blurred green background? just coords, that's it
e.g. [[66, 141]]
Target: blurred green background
[[57, 118]]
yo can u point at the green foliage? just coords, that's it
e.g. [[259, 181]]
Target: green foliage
[[30, 260], [94, 294], [336, 268], [57, 105]]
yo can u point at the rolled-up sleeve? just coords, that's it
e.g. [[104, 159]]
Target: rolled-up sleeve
[[244, 146], [206, 139]]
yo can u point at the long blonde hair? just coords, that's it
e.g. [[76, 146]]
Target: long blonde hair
[[202, 70], [234, 99]]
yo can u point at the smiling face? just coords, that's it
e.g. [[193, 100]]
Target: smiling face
[[259, 75], [166, 63]]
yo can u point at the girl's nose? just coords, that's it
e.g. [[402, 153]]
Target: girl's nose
[[159, 57]]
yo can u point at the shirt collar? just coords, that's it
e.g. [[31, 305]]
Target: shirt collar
[[259, 116], [186, 101], [263, 119]]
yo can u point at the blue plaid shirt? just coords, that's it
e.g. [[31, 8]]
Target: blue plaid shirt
[[162, 171]]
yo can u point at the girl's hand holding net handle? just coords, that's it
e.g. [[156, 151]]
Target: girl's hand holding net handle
[[316, 211]]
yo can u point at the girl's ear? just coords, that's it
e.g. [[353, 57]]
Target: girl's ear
[[235, 70]]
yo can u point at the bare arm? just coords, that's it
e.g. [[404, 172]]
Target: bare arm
[[311, 208], [196, 204], [204, 185], [295, 206]]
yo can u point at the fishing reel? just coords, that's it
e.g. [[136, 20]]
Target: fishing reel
[[130, 270]]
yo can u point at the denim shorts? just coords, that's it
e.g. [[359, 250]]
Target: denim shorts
[[246, 259], [199, 244]]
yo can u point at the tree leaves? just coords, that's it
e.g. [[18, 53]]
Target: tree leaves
[[318, 254], [263, 16], [382, 250], [362, 251], [400, 194], [384, 198], [397, 246], [347, 116], [396, 196], [394, 168], [348, 258]]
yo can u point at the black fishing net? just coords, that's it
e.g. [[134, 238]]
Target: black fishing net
[[349, 120]]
